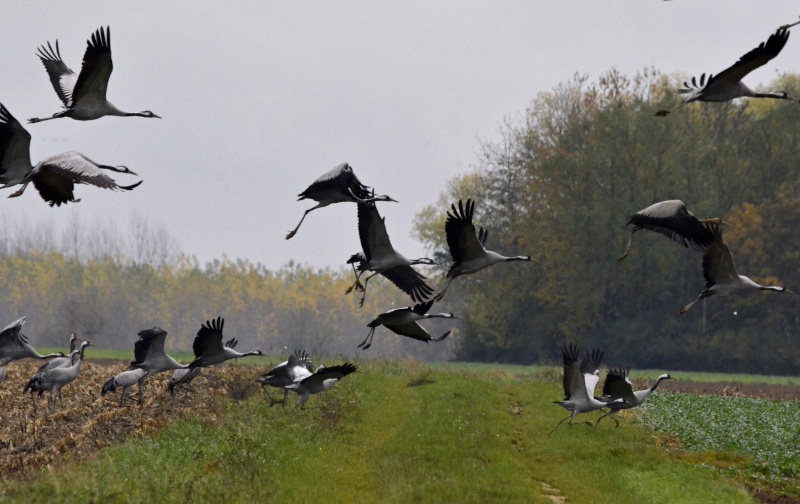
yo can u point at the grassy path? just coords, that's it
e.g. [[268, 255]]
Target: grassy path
[[395, 432]]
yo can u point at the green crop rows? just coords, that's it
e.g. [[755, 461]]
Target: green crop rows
[[767, 432]]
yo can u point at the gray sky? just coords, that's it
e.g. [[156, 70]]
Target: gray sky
[[260, 98]]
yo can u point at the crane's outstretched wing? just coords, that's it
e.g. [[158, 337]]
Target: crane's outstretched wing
[[12, 334], [61, 76], [421, 308], [150, 343], [341, 179], [718, 266], [573, 379], [15, 144], [672, 219], [209, 338], [460, 231], [372, 231], [618, 386], [96, 69], [754, 59], [408, 280], [327, 377], [590, 368], [56, 176]]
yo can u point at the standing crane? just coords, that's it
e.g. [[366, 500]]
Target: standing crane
[[297, 367], [405, 322], [84, 94], [184, 376], [124, 380], [727, 85], [580, 379], [339, 185], [619, 386], [382, 259], [149, 354], [55, 362], [320, 381], [208, 348], [467, 247], [672, 219], [720, 273], [54, 177], [14, 345], [54, 380]]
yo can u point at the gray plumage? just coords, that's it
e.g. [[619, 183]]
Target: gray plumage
[[124, 380], [579, 381], [208, 347], [728, 84], [381, 258], [339, 185], [720, 273], [84, 94], [618, 386], [14, 345], [149, 354], [672, 219], [320, 381], [183, 377], [297, 367], [54, 380], [55, 362], [405, 322], [467, 246], [54, 177]]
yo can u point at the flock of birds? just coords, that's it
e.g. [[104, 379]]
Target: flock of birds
[[84, 98]]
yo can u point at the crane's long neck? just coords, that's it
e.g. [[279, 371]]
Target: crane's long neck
[[118, 169], [655, 385], [37, 355], [780, 95], [254, 352], [437, 315], [772, 288]]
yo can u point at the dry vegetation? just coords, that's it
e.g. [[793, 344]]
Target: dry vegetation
[[86, 421]]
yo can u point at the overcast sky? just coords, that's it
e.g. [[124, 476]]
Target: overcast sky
[[260, 98]]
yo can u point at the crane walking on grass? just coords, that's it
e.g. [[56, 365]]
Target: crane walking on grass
[[467, 247], [720, 273], [405, 322], [340, 185], [619, 386], [672, 219], [84, 94], [727, 85]]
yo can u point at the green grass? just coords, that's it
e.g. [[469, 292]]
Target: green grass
[[767, 432], [394, 432]]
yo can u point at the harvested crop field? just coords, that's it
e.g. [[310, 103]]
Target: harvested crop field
[[755, 390], [86, 421]]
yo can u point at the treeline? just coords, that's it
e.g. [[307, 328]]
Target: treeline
[[139, 279], [562, 182]]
